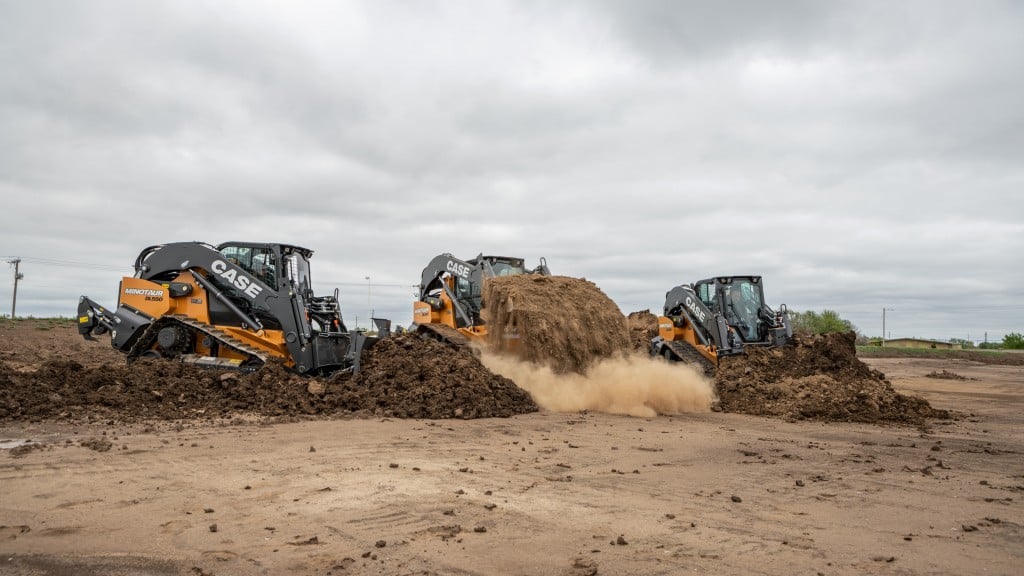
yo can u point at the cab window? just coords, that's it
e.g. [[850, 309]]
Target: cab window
[[506, 269], [260, 262], [706, 293]]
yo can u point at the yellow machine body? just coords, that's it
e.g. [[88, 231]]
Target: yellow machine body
[[155, 300], [683, 331]]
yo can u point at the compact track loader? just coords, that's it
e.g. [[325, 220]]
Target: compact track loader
[[718, 317], [235, 305], [449, 304]]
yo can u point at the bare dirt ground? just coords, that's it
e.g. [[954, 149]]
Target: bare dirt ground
[[535, 493]]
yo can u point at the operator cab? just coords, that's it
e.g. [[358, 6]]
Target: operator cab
[[501, 265], [271, 264], [740, 299], [278, 266], [472, 287], [484, 266]]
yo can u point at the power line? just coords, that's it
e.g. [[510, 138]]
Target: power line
[[69, 263], [363, 284]]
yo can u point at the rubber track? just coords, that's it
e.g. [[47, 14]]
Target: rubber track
[[145, 342], [445, 334], [687, 354]]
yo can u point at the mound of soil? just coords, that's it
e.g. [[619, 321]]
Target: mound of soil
[[405, 377], [643, 327], [409, 376], [819, 378], [562, 322]]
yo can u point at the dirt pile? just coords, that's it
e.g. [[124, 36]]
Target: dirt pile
[[412, 377], [406, 377], [53, 374], [643, 327], [817, 378], [561, 322]]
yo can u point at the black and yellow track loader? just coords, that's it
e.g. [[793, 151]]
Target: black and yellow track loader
[[235, 305], [449, 304], [718, 317]]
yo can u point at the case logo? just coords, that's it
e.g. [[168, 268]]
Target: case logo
[[460, 270], [237, 279], [693, 308]]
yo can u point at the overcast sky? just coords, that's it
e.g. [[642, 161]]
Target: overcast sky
[[857, 155]]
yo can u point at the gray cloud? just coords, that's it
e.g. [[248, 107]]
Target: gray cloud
[[857, 155]]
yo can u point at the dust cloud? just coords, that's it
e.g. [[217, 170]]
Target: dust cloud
[[634, 385]]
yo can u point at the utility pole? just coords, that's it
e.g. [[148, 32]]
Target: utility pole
[[883, 325], [369, 300], [17, 276]]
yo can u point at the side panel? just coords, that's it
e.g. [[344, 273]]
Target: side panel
[[195, 304], [148, 297], [666, 328], [446, 315], [669, 331], [422, 313]]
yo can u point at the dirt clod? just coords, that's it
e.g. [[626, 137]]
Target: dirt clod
[[20, 451], [583, 567], [97, 444], [945, 375]]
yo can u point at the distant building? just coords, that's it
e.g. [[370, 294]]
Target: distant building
[[920, 343]]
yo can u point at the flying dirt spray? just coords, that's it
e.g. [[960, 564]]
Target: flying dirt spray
[[635, 385], [574, 351]]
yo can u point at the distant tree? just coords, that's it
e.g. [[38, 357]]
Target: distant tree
[[825, 322], [961, 343], [990, 345], [1013, 341]]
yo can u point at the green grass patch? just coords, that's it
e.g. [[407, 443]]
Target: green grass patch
[[37, 323], [1006, 357]]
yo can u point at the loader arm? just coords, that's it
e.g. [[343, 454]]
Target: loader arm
[[432, 279], [710, 328], [158, 262]]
